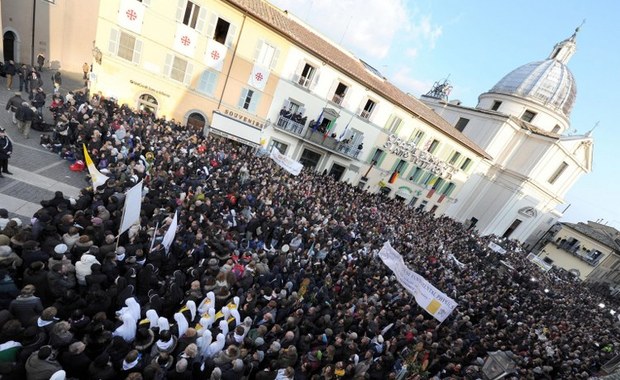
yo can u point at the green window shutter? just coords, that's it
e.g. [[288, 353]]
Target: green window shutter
[[381, 158]]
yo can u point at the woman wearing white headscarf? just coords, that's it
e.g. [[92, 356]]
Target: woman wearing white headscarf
[[127, 330]]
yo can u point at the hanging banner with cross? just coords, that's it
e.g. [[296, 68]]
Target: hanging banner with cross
[[131, 15], [259, 77], [215, 55], [185, 40]]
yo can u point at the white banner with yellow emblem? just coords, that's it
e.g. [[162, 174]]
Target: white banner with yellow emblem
[[431, 299]]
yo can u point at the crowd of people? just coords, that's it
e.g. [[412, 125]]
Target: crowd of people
[[269, 275]]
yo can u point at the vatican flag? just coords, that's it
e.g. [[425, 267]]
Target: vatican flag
[[96, 176]]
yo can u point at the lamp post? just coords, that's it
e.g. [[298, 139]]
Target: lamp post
[[34, 13]]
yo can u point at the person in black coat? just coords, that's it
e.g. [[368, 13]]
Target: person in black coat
[[6, 149], [75, 362]]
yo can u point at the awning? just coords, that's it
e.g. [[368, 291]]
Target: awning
[[236, 130]]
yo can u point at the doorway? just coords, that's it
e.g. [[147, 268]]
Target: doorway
[[337, 171], [8, 45], [309, 158], [148, 104], [196, 121], [512, 228]]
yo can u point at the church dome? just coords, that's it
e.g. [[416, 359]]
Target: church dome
[[549, 83]]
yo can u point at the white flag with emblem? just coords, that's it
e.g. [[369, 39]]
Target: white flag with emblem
[[215, 55], [131, 15], [185, 40], [259, 77]]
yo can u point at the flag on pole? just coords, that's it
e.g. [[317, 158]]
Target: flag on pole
[[185, 40], [172, 230], [346, 129], [95, 175], [318, 121], [329, 128], [131, 208]]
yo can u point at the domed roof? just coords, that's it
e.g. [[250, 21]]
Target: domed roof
[[549, 83]]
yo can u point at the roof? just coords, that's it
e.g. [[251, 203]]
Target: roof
[[281, 23], [530, 127], [606, 235]]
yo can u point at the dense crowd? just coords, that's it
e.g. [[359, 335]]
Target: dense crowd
[[269, 276]]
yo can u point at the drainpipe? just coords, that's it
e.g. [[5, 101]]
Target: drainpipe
[[232, 61], [34, 12]]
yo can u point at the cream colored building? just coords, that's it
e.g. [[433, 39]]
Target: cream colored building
[[590, 250], [233, 67], [64, 31]]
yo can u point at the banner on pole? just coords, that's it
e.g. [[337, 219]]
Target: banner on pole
[[131, 209], [172, 230], [431, 299], [96, 177], [288, 164]]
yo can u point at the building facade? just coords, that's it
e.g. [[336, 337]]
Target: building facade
[[588, 250], [523, 124], [62, 31]]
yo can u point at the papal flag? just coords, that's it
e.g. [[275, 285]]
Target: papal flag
[[215, 55], [131, 208], [428, 297], [258, 77], [95, 175], [185, 40], [131, 15], [172, 230]]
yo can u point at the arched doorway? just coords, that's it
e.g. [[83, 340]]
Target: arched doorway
[[196, 121], [9, 42], [148, 103]]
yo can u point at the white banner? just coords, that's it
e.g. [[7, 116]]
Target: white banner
[[215, 55], [185, 40], [258, 77], [172, 230], [131, 209], [542, 264], [288, 164], [131, 15], [435, 302], [497, 248]]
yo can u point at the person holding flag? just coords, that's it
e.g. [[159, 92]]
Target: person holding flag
[[96, 177]]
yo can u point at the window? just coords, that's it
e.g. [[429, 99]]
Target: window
[[401, 166], [461, 124], [221, 30], [378, 157], [266, 55], [274, 144], [455, 157], [394, 124], [306, 75], [496, 105], [249, 100], [416, 174], [555, 129], [447, 191], [207, 83], [178, 69], [433, 147], [466, 164], [416, 137], [368, 108], [191, 15], [528, 116], [125, 46], [558, 172], [340, 93]]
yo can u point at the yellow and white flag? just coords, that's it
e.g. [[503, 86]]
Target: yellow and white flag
[[95, 175], [431, 299]]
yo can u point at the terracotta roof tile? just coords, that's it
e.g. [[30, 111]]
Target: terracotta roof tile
[[318, 46]]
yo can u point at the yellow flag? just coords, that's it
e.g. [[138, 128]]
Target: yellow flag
[[96, 176]]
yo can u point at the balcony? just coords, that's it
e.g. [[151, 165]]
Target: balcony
[[293, 125], [338, 99], [365, 114], [592, 258], [317, 137]]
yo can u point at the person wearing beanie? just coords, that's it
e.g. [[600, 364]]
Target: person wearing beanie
[[26, 307], [48, 319], [42, 364]]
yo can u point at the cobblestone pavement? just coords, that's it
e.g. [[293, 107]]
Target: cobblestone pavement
[[37, 173]]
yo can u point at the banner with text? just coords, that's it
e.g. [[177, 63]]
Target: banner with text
[[435, 302], [288, 164]]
